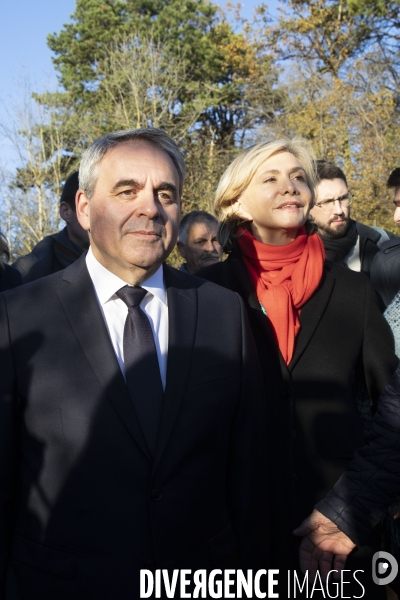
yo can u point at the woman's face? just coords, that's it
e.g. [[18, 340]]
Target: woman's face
[[277, 199]]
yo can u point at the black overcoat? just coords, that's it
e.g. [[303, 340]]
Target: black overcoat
[[315, 425], [83, 505]]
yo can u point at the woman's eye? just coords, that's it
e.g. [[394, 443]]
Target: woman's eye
[[300, 177], [270, 180]]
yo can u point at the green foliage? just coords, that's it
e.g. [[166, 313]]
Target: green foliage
[[326, 70], [83, 44]]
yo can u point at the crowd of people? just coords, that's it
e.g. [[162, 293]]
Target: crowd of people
[[240, 412]]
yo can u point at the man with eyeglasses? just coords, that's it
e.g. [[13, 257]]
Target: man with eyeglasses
[[346, 241]]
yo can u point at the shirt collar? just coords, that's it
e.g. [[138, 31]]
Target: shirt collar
[[107, 284]]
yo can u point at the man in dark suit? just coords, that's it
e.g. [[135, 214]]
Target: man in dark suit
[[131, 421], [58, 250]]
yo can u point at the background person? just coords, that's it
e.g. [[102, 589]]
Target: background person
[[317, 330], [131, 407], [197, 241], [9, 277], [346, 242], [385, 272], [59, 250]]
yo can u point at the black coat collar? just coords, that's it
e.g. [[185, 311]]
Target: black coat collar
[[310, 315]]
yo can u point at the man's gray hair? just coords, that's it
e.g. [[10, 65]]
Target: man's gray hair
[[196, 216], [88, 168]]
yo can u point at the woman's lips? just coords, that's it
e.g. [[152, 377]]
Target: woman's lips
[[290, 206]]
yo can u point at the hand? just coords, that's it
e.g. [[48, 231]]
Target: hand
[[323, 547], [394, 510]]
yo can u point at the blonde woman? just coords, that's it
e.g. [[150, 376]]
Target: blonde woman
[[318, 331]]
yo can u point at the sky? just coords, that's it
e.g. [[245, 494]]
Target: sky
[[25, 55]]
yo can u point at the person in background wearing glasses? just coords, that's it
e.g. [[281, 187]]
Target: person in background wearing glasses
[[346, 241], [385, 271]]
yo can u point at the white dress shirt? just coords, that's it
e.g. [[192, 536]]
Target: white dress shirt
[[115, 311]]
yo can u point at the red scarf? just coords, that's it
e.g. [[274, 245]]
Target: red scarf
[[284, 277]]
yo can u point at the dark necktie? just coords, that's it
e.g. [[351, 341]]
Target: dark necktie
[[142, 371]]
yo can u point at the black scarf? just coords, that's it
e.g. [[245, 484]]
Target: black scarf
[[337, 249]]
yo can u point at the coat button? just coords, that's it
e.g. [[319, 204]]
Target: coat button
[[156, 494]]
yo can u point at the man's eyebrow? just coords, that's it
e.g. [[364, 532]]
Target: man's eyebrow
[[167, 186], [124, 183], [329, 199], [134, 183]]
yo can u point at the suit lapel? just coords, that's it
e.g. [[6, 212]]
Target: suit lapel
[[182, 317], [80, 304], [311, 314]]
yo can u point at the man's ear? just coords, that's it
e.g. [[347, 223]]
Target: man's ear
[[65, 211], [181, 249], [83, 209]]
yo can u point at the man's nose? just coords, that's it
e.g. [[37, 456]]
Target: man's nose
[[209, 246], [337, 208], [148, 203], [396, 216], [216, 247]]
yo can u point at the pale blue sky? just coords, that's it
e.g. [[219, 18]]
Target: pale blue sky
[[23, 50]]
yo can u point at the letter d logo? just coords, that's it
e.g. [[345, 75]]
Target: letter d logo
[[384, 568]]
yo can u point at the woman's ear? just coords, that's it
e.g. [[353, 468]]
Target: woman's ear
[[239, 210]]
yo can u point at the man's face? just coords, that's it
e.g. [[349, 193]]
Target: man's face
[[396, 202], [79, 235], [133, 215], [202, 248], [332, 223], [76, 233]]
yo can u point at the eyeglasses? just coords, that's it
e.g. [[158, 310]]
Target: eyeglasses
[[327, 205]]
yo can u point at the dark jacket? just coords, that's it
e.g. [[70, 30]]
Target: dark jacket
[[371, 240], [83, 506], [184, 268], [315, 424], [371, 482], [53, 253], [385, 272], [9, 278]]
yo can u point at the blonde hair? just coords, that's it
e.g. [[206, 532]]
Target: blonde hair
[[241, 171]]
